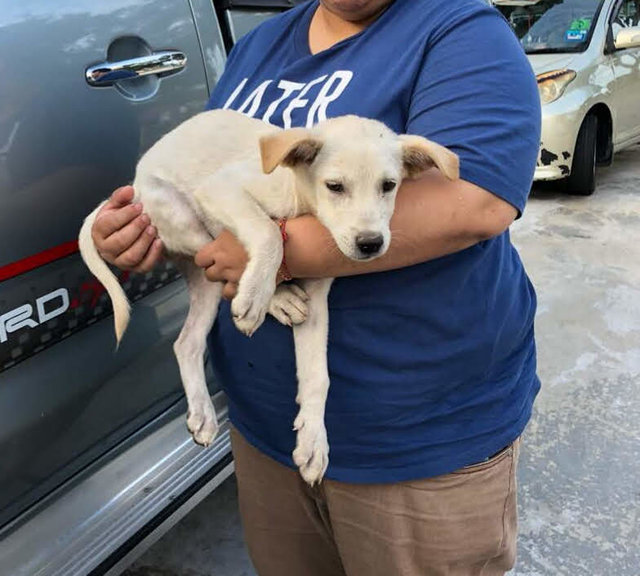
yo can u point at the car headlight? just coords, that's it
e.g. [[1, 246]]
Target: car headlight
[[553, 84]]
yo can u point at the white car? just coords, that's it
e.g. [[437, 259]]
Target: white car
[[586, 55]]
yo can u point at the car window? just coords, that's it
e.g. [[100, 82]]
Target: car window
[[628, 15], [550, 25]]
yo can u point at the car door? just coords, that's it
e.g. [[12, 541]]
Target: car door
[[626, 66], [66, 141]]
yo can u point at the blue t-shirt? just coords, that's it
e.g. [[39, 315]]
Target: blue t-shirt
[[433, 366]]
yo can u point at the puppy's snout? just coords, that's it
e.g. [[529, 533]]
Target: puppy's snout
[[369, 243]]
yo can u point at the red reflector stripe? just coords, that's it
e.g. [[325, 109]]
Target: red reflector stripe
[[40, 259]]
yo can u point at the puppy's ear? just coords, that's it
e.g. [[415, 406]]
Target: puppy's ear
[[420, 154], [288, 148]]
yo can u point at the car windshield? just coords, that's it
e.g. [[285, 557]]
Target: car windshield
[[547, 26]]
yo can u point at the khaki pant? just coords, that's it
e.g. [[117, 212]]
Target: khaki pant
[[459, 524]]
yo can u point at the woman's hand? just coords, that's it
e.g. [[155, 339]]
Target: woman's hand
[[123, 234], [224, 260]]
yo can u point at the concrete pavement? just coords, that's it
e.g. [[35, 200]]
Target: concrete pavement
[[580, 465], [580, 470]]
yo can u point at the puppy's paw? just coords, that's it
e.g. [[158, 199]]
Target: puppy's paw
[[202, 422], [311, 455], [289, 304], [249, 309]]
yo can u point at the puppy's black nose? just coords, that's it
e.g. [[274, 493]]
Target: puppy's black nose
[[369, 242]]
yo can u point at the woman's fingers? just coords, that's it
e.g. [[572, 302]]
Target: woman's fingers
[[205, 256], [125, 237], [121, 196], [111, 220], [224, 259], [153, 256], [229, 290], [136, 251]]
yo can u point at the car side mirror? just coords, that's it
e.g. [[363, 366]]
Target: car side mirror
[[628, 38]]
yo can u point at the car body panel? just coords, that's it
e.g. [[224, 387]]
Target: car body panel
[[64, 146], [57, 417], [103, 517], [73, 144], [211, 40], [545, 62], [626, 93], [97, 460]]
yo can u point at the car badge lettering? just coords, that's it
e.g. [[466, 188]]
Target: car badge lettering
[[48, 306], [62, 305]]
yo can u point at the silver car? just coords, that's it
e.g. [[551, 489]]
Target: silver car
[[96, 459], [586, 55]]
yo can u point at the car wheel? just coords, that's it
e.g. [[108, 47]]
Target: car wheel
[[582, 181]]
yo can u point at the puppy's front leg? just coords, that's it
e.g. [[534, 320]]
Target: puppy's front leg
[[224, 203], [312, 449]]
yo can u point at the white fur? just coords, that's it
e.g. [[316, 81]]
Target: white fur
[[220, 170]]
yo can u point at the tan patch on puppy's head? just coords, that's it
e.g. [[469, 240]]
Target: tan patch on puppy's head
[[420, 155], [288, 148]]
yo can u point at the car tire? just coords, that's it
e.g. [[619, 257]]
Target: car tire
[[582, 181]]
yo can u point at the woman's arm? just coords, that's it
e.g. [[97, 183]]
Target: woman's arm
[[433, 217]]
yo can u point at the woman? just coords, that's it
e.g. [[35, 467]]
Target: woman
[[431, 351]]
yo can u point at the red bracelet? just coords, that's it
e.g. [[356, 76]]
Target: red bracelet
[[283, 272]]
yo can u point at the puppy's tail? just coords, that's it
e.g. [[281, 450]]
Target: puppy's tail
[[98, 267]]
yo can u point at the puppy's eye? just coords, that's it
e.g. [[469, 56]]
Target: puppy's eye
[[388, 185], [335, 187]]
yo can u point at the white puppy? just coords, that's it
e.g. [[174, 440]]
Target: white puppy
[[221, 169]]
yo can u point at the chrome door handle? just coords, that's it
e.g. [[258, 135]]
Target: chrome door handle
[[163, 63]]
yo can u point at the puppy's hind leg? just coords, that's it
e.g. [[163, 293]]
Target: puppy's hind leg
[[311, 454], [189, 348]]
